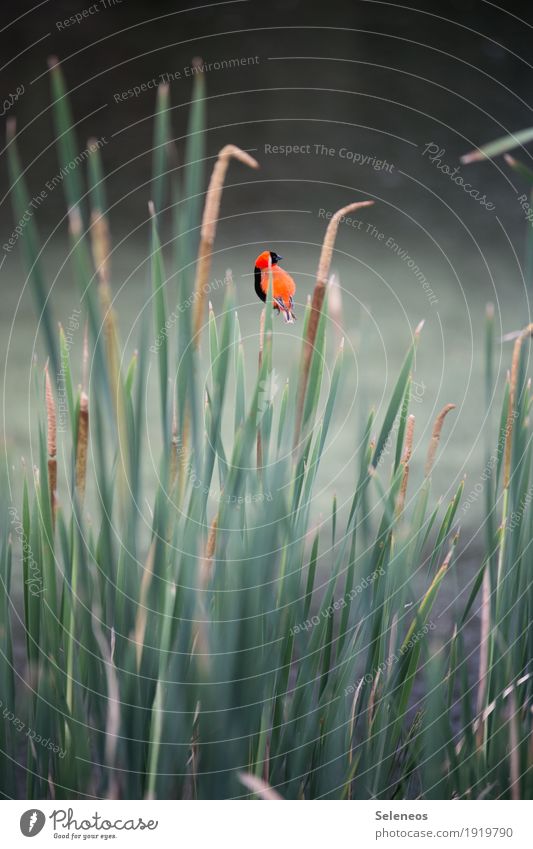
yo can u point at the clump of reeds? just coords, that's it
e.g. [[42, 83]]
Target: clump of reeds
[[240, 648]]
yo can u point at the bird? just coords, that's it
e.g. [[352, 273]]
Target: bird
[[283, 286]]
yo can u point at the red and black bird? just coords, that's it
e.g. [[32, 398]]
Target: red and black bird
[[283, 286]]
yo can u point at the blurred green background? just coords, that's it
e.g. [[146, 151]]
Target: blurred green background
[[361, 89]]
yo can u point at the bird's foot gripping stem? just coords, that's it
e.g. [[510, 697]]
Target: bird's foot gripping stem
[[288, 314]]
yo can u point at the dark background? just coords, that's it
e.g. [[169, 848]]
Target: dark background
[[380, 79], [377, 76]]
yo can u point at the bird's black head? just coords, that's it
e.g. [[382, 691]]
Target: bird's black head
[[275, 257]]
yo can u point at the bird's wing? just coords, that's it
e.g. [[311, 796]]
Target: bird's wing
[[284, 285]]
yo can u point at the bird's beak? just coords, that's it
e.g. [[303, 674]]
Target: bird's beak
[[279, 257]]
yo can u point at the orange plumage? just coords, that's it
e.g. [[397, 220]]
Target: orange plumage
[[283, 286]]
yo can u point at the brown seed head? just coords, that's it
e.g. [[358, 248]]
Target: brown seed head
[[50, 414], [209, 223], [435, 437], [527, 331], [81, 445], [407, 452]]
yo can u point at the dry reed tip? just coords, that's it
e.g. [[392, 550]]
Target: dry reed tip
[[259, 787], [101, 246], [316, 306], [212, 539], [527, 331], [174, 443], [419, 327], [52, 62], [51, 440], [330, 236], [435, 437], [92, 145], [81, 445], [473, 156], [407, 452], [175, 439], [11, 128], [151, 208], [409, 432], [209, 225], [142, 612], [262, 318], [74, 221], [335, 299], [231, 151], [511, 336], [489, 310]]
